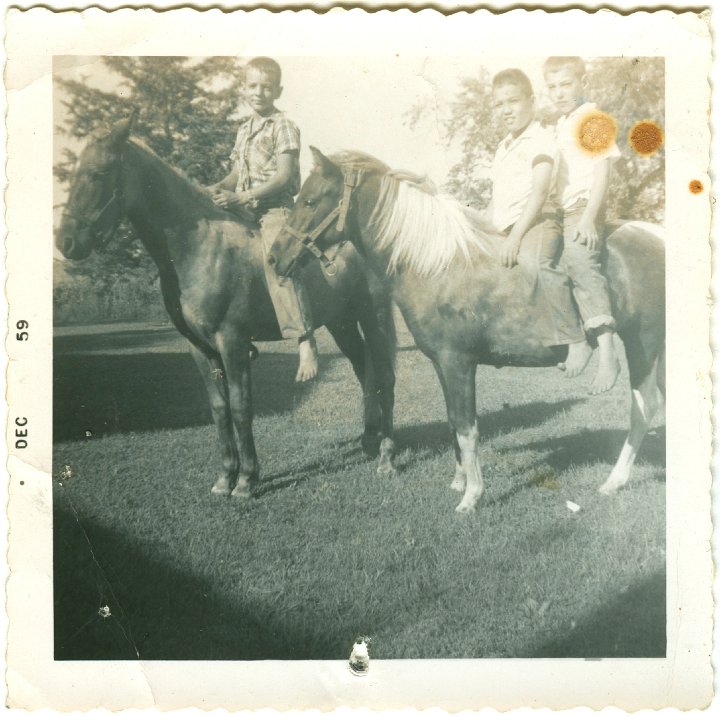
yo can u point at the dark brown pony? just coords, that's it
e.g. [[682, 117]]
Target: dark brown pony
[[461, 306], [213, 286]]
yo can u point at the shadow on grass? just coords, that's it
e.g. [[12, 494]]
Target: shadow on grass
[[632, 625], [592, 446], [302, 473], [104, 338], [437, 435], [109, 394], [587, 447], [155, 610]]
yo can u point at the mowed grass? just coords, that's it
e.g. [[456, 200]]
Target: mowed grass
[[327, 550]]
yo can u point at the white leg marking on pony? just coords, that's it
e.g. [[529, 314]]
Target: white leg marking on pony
[[385, 463], [644, 404], [242, 488], [458, 483], [470, 458], [221, 486]]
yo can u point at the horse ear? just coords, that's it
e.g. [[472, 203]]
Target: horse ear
[[121, 130], [323, 163]]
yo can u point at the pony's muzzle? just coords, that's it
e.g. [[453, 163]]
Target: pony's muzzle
[[282, 266], [278, 266], [73, 248], [67, 244]]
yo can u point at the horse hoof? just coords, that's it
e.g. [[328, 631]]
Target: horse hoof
[[242, 488], [463, 509], [221, 487], [467, 504], [387, 471], [608, 489]]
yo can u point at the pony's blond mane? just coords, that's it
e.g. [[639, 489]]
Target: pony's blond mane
[[424, 230]]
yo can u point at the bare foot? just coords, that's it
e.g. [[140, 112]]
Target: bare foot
[[608, 365], [605, 377], [578, 357], [308, 367]]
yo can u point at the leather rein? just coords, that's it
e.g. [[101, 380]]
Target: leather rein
[[351, 178]]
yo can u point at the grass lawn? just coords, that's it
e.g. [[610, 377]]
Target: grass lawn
[[327, 551]]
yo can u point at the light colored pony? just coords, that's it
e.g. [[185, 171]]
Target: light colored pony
[[462, 307]]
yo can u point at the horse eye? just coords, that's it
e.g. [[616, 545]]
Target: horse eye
[[309, 203]]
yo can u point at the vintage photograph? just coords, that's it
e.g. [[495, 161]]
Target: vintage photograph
[[276, 359], [358, 359]]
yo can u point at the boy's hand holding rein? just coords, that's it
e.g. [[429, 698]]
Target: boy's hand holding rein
[[222, 198], [238, 204], [229, 199]]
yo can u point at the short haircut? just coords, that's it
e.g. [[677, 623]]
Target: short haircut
[[268, 66], [514, 77], [576, 65]]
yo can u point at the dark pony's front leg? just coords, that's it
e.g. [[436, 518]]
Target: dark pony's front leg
[[380, 386], [376, 426], [457, 376], [213, 375], [235, 352]]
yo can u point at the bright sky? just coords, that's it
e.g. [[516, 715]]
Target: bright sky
[[361, 103]]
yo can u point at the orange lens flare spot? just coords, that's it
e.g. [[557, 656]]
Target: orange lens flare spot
[[646, 137], [696, 186], [596, 132]]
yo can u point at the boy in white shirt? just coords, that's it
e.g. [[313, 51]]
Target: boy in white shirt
[[523, 211], [582, 182]]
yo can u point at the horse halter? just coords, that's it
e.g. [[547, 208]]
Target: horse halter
[[351, 178], [84, 221]]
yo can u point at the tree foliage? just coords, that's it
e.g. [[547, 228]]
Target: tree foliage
[[185, 109], [471, 123], [631, 89]]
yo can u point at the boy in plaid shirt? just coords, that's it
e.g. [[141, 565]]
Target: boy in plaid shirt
[[264, 179]]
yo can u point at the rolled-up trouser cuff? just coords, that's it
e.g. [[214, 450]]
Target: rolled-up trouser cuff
[[592, 324]]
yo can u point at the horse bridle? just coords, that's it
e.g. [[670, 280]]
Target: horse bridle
[[83, 221], [351, 178]]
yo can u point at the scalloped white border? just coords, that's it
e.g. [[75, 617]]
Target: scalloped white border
[[682, 680]]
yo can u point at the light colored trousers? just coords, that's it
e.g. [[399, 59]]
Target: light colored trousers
[[583, 266], [288, 295]]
